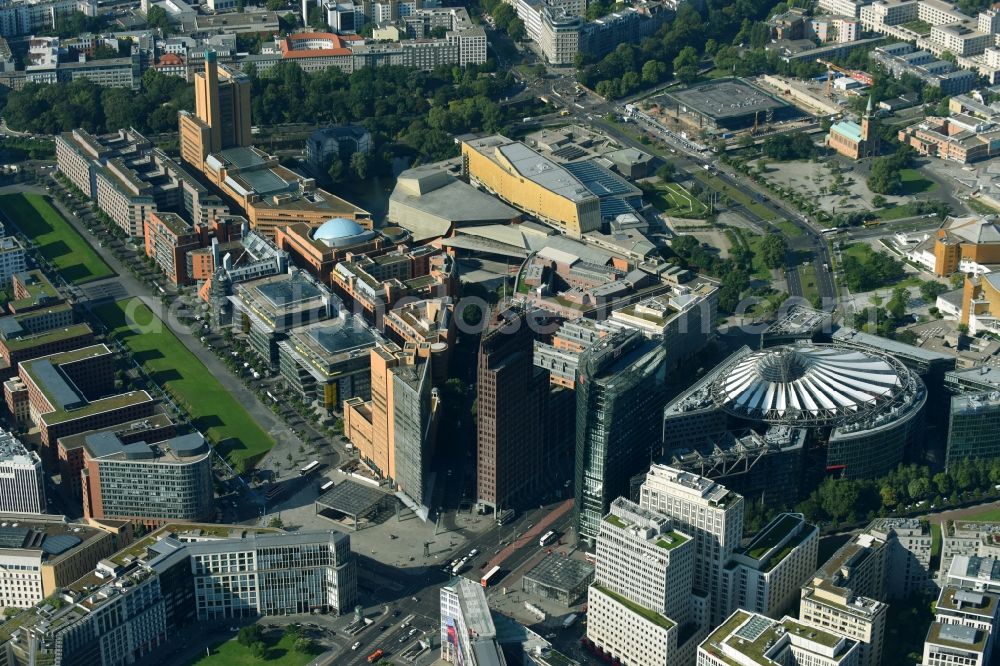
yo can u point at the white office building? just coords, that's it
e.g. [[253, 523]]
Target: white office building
[[273, 574], [836, 609], [707, 511], [749, 639], [641, 594], [12, 259], [765, 577], [22, 481]]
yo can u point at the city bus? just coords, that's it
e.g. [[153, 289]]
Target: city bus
[[492, 575], [830, 231], [325, 487], [547, 538], [311, 467]]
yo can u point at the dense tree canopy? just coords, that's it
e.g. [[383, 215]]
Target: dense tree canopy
[[876, 269]]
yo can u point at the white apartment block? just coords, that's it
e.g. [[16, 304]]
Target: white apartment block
[[975, 610], [908, 558], [22, 480], [273, 574], [12, 258], [841, 612], [834, 29], [707, 511], [749, 639], [765, 577], [850, 8], [122, 199], [971, 572], [21, 579], [26, 16]]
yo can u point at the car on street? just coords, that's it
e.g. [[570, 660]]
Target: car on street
[[356, 645]]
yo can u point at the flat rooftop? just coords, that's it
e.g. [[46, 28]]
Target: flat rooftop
[[727, 99]]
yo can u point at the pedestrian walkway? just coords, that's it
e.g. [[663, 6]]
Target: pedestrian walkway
[[540, 528]]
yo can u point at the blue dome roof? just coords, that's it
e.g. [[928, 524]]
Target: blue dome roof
[[337, 228]]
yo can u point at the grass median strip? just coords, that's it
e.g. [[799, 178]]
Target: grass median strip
[[54, 237], [213, 410]]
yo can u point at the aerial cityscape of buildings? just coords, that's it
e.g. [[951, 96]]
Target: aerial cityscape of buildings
[[553, 332]]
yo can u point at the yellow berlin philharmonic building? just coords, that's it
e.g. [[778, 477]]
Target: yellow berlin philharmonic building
[[535, 184], [216, 139]]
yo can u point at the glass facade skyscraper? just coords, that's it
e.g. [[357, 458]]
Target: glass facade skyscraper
[[620, 394]]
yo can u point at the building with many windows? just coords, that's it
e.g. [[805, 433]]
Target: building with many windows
[[151, 482], [710, 513], [620, 392], [329, 361], [395, 431], [765, 575], [273, 574], [22, 480], [641, 600], [973, 428], [828, 606], [12, 258], [71, 392], [41, 554], [268, 308], [511, 410]]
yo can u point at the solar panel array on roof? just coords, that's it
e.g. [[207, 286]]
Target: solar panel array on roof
[[613, 207], [13, 537], [598, 180], [569, 152], [752, 630], [56, 545]]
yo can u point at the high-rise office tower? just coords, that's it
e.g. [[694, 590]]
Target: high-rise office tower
[[620, 393], [640, 603], [711, 513], [511, 402], [395, 430], [22, 481], [221, 116]]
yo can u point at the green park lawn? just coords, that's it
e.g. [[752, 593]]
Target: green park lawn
[[807, 278], [760, 271], [232, 653], [54, 237], [673, 199], [914, 183], [212, 409], [788, 228], [987, 515]]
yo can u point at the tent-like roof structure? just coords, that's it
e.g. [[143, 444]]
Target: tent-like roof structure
[[808, 384]]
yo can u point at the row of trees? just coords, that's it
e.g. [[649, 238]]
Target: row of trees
[[851, 501], [61, 107]]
